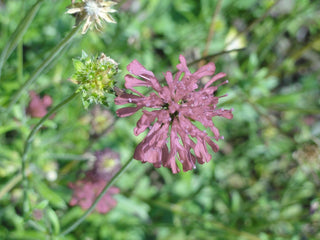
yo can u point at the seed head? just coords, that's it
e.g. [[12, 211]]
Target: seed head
[[92, 12]]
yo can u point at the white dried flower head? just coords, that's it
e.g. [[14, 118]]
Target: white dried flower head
[[92, 12]]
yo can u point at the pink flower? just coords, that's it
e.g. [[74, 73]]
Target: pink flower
[[37, 107], [173, 111], [86, 191], [106, 165]]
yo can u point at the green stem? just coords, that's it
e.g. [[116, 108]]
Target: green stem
[[103, 192], [208, 57], [212, 28], [56, 50], [18, 33], [20, 61], [28, 144]]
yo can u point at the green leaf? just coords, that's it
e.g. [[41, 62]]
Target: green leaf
[[42, 204], [84, 55], [54, 199], [54, 220], [78, 65], [19, 33]]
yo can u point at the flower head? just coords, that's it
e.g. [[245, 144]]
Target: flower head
[[86, 190], [92, 12], [173, 111], [106, 164], [37, 107], [95, 77]]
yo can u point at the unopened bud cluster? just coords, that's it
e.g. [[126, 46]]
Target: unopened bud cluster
[[95, 77]]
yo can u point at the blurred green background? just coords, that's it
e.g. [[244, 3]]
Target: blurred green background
[[264, 182]]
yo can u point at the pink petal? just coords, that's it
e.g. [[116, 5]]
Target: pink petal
[[171, 162], [182, 66], [144, 122], [146, 154], [215, 132], [169, 78], [215, 78], [127, 98], [212, 144], [138, 69], [127, 111], [189, 163], [227, 114], [202, 152], [133, 82], [206, 70]]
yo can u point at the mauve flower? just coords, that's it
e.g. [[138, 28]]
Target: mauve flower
[[173, 111], [37, 107], [86, 190], [106, 165]]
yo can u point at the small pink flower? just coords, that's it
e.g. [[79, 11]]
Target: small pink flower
[[86, 191], [173, 110], [37, 107], [106, 165]]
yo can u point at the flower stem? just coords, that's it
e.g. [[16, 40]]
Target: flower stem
[[211, 30], [18, 33], [54, 53], [208, 57], [27, 145], [103, 192]]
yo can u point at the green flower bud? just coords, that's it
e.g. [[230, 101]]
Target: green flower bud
[[95, 77]]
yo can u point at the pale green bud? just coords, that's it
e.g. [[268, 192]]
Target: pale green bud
[[95, 77]]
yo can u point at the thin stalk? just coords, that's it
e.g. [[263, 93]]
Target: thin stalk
[[18, 33], [103, 192], [28, 144], [20, 54], [20, 61], [211, 31], [54, 53], [208, 57]]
